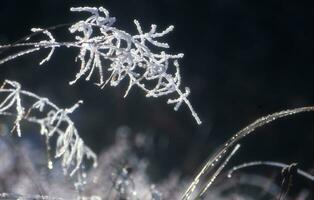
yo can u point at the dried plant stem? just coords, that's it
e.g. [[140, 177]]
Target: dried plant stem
[[271, 164]]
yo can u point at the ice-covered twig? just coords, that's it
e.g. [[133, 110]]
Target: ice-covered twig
[[130, 56], [70, 148]]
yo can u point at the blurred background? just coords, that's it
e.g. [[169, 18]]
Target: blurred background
[[243, 59]]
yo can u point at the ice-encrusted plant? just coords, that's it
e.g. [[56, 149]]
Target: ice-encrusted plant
[[119, 55], [106, 49], [52, 122]]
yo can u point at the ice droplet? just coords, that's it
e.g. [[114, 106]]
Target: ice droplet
[[50, 165]]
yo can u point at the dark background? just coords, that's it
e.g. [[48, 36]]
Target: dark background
[[243, 59]]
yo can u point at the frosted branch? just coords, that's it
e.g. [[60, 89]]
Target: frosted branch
[[130, 56], [70, 148]]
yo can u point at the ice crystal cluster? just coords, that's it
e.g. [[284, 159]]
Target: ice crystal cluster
[[118, 55], [52, 122]]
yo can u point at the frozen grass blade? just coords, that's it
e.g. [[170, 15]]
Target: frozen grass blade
[[238, 136], [271, 164], [218, 171]]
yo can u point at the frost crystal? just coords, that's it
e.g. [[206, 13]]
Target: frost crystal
[[126, 56], [53, 121]]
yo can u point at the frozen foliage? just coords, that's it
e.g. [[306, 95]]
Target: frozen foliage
[[25, 173], [120, 175], [52, 121], [104, 49], [127, 179]]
